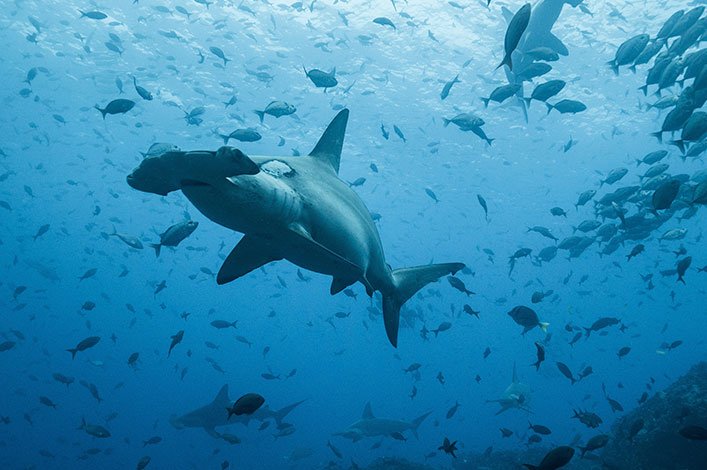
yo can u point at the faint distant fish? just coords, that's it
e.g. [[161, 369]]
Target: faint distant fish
[[515, 31], [119, 106], [566, 371], [94, 15], [41, 231], [144, 94], [220, 54], [448, 87], [94, 430], [484, 206], [242, 135], [176, 339], [84, 344], [399, 133], [160, 148], [383, 21]]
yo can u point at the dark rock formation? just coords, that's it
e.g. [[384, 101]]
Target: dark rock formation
[[658, 445]]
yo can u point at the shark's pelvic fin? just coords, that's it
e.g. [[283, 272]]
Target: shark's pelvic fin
[[407, 282], [250, 253], [328, 148]]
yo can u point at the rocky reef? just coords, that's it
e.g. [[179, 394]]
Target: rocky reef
[[658, 445]]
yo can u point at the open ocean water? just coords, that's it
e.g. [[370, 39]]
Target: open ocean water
[[541, 167]]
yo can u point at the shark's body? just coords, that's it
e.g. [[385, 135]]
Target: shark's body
[[293, 208], [370, 426], [215, 414], [516, 395]]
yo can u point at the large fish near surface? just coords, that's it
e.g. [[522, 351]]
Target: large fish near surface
[[215, 414], [293, 208]]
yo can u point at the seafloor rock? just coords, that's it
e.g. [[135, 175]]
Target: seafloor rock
[[658, 445]]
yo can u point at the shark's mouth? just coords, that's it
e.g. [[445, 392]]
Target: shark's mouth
[[277, 169]]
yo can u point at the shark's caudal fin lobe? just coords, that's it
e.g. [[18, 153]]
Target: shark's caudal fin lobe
[[280, 414], [250, 253], [329, 147], [407, 282], [416, 423]]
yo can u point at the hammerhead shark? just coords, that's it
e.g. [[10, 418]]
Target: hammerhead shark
[[293, 208], [370, 426], [516, 395], [215, 414]]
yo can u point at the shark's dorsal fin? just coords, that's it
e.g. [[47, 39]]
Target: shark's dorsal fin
[[328, 149], [367, 412], [222, 396]]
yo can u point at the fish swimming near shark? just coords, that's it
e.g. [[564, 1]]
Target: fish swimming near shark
[[371, 426], [293, 208], [516, 395], [215, 414]]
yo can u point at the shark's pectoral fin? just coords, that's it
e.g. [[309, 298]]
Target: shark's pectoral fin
[[167, 172], [556, 44], [320, 251], [250, 253]]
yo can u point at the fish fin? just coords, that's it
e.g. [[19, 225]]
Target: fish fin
[[261, 115], [544, 326], [407, 282], [416, 423], [249, 254], [339, 284], [367, 412], [157, 247], [556, 44], [280, 414], [328, 149], [73, 352]]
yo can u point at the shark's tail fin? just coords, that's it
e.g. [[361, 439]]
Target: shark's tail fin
[[280, 414], [407, 282], [417, 422]]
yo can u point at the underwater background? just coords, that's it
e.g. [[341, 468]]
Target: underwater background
[[76, 260]]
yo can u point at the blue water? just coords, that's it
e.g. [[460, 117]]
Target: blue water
[[65, 166]]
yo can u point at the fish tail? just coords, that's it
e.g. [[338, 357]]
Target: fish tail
[[658, 135], [589, 331], [486, 103], [447, 121], [644, 89], [261, 115], [527, 102], [614, 67], [103, 111], [157, 247], [679, 144], [73, 352], [544, 326], [489, 140], [506, 61], [406, 282], [416, 423], [632, 68], [549, 107]]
